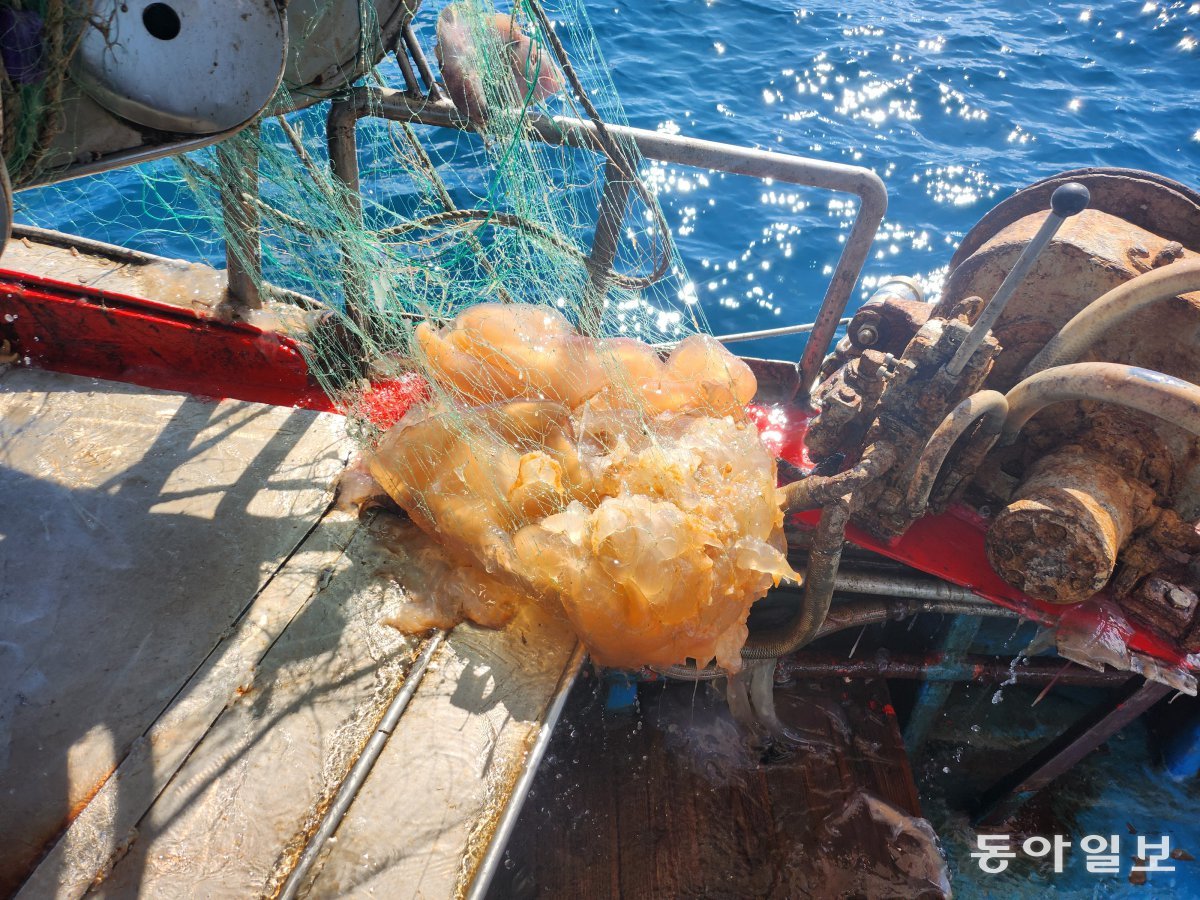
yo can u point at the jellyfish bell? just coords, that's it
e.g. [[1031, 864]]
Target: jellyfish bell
[[527, 67], [591, 477], [458, 60]]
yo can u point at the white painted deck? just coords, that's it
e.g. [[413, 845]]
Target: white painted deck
[[191, 658]]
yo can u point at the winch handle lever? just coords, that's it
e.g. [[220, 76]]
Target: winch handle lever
[[1068, 200]]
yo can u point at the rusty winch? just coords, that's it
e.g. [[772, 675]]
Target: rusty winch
[[1051, 389]]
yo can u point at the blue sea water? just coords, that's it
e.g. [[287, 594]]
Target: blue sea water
[[955, 104]]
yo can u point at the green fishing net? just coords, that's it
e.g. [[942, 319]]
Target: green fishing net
[[580, 443], [31, 104], [442, 220]]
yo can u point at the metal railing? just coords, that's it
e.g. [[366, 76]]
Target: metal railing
[[411, 107]]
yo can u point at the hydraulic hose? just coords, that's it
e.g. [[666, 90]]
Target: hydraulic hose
[[1153, 393], [858, 615], [820, 578], [903, 587], [816, 490], [988, 407], [1095, 319], [874, 612]]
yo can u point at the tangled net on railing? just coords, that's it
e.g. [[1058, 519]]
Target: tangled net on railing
[[590, 475], [39, 38], [558, 458]]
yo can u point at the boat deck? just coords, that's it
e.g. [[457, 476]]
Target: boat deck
[[668, 799], [193, 658]]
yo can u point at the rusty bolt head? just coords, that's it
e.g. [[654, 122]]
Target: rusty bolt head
[[846, 393], [967, 309], [1045, 552], [867, 336], [1060, 537], [1168, 253], [1180, 597]]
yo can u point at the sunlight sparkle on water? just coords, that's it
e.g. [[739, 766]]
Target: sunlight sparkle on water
[[951, 126]]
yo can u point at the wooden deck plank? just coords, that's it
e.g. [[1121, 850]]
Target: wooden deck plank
[[137, 527], [671, 801], [108, 824], [237, 814]]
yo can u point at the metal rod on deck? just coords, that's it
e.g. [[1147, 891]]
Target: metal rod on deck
[[238, 159], [936, 668], [486, 870], [358, 773]]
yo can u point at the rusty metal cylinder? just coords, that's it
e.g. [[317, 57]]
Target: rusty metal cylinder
[[1059, 538]]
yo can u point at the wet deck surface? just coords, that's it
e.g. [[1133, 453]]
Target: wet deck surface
[[668, 800], [193, 656], [137, 527], [190, 285]]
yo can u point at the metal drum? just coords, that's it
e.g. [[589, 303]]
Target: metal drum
[[184, 66], [327, 47]]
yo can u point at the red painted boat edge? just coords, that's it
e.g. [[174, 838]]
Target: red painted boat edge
[[95, 333]]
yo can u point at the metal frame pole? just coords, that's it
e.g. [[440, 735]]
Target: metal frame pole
[[238, 159], [418, 55], [566, 131], [1003, 800], [343, 162], [613, 203], [933, 694]]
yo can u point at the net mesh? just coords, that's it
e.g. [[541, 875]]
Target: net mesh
[[41, 37], [560, 452]]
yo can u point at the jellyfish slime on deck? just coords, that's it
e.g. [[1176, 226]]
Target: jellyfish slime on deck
[[587, 475]]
